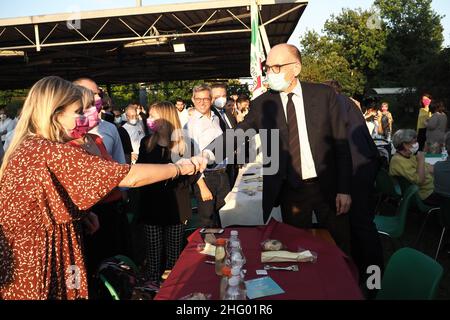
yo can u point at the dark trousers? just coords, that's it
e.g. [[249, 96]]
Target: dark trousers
[[298, 204], [218, 184], [366, 248]]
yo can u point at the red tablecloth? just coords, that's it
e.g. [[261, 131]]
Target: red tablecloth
[[330, 277]]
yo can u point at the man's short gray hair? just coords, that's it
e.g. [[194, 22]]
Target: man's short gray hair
[[200, 88], [403, 136]]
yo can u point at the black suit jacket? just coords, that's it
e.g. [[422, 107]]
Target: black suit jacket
[[326, 134], [229, 115], [362, 147]]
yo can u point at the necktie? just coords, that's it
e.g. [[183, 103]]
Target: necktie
[[222, 123], [294, 166]]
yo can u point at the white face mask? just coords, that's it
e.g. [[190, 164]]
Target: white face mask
[[118, 120], [220, 102], [414, 148], [2, 116], [133, 121], [277, 82]]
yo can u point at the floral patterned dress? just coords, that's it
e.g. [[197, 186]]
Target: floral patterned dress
[[46, 188]]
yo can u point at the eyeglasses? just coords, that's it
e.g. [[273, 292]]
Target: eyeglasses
[[198, 100], [276, 68]]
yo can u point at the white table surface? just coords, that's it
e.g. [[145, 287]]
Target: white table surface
[[244, 209], [433, 160]]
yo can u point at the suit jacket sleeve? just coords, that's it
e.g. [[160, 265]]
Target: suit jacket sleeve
[[342, 150]]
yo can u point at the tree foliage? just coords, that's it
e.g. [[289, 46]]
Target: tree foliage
[[414, 37], [360, 37], [322, 61]]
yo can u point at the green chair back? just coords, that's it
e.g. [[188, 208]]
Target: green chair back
[[128, 262], [109, 287], [420, 205], [387, 185], [394, 226], [410, 275]]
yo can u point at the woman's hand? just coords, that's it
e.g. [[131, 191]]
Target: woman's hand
[[91, 223], [191, 166]]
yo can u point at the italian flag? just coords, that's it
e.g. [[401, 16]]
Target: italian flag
[[257, 56]]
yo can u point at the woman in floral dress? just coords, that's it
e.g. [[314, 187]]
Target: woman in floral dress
[[47, 186]]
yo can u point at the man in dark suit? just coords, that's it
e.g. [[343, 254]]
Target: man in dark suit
[[226, 120], [315, 166], [366, 246]]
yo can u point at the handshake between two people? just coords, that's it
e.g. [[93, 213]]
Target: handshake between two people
[[193, 165]]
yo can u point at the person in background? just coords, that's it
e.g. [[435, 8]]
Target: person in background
[[436, 128], [164, 207], [243, 106], [106, 130], [371, 116], [424, 115], [47, 186], [124, 136], [441, 172], [142, 115], [10, 134], [6, 124], [226, 121], [409, 162], [211, 189], [182, 112], [107, 107], [385, 121], [135, 130]]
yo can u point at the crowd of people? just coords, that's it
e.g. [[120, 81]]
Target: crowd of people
[[72, 160]]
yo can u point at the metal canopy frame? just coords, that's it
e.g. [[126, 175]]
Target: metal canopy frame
[[90, 35]]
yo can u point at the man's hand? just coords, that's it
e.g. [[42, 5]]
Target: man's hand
[[200, 162], [205, 193], [134, 157], [343, 203], [191, 166]]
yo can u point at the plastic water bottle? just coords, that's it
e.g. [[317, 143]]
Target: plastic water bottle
[[236, 257], [234, 237], [237, 272], [233, 292]]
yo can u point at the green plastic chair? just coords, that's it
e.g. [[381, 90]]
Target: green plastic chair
[[394, 226], [419, 204], [108, 285], [444, 215], [410, 275], [386, 187]]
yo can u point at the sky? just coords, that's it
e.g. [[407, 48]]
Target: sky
[[314, 17]]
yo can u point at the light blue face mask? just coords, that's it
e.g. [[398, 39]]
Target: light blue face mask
[[277, 82]]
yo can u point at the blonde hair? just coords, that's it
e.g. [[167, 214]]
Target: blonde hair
[[45, 101], [87, 97], [168, 113]]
